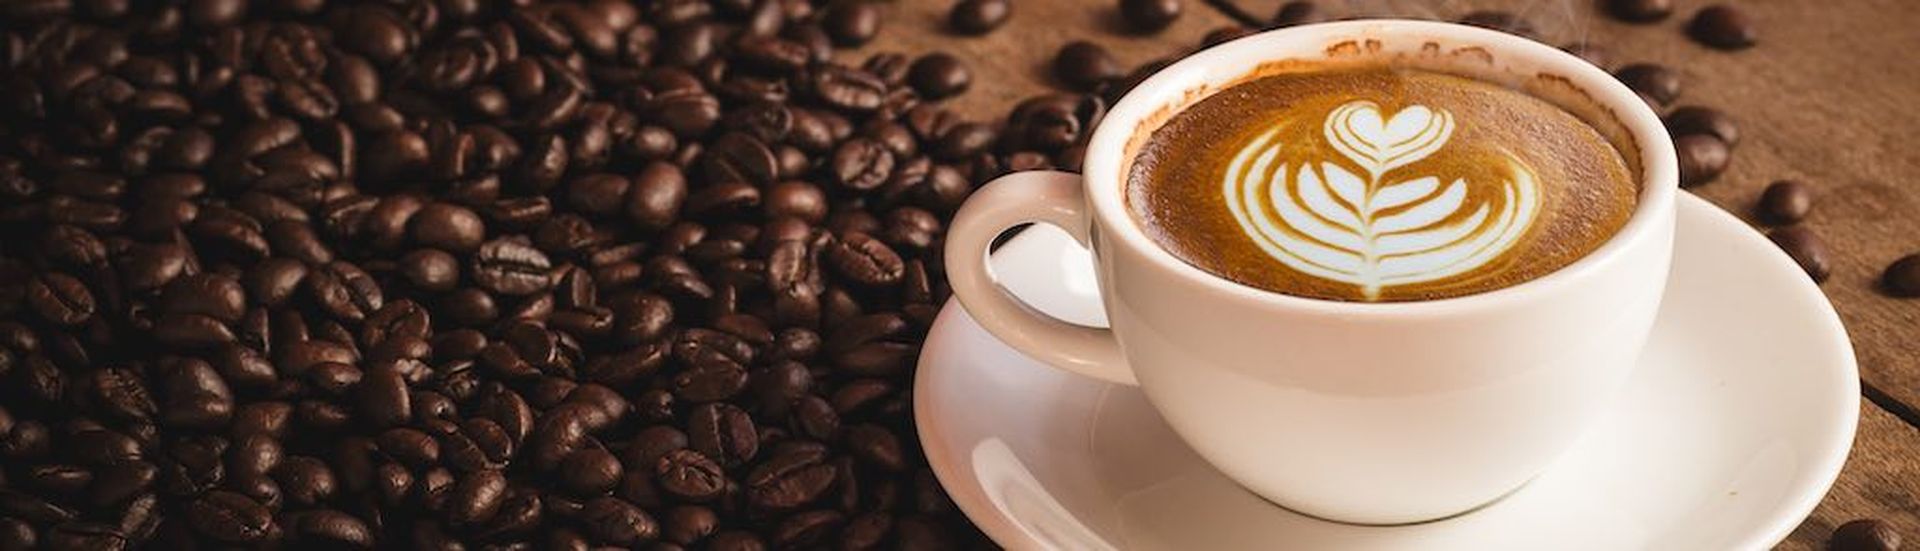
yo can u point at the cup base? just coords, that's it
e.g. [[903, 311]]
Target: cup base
[[1309, 513]]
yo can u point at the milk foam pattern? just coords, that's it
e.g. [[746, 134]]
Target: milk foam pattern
[[1354, 220]]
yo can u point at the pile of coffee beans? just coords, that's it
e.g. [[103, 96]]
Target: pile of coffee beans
[[458, 274]]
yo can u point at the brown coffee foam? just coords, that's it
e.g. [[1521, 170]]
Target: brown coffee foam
[[1587, 193], [1466, 61]]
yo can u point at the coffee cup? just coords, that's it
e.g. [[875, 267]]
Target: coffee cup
[[1363, 412]]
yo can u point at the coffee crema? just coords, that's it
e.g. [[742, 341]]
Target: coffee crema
[[1378, 184]]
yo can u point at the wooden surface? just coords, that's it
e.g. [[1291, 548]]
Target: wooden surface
[[1827, 97]]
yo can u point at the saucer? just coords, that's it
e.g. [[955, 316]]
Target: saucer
[[1738, 419]]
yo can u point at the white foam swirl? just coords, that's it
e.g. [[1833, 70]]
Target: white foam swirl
[[1344, 222]]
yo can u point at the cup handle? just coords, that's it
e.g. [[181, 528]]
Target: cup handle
[[1056, 198]]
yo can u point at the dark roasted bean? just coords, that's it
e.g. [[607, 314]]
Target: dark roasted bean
[[1785, 202], [851, 22], [979, 16], [1693, 119], [1150, 15], [511, 267], [1806, 249], [864, 260], [1702, 158], [618, 522], [796, 475], [939, 75], [1652, 80], [688, 474], [230, 517], [1722, 26], [446, 226], [1085, 66], [1864, 535]]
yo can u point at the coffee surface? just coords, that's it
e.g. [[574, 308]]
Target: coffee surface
[[1378, 184]]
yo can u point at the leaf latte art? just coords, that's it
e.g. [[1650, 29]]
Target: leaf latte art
[[1353, 218]]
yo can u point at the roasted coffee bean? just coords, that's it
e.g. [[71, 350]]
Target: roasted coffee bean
[[796, 475], [689, 474], [1652, 80], [1722, 26], [431, 269], [1806, 249], [476, 497], [86, 535], [1864, 535], [600, 193], [1085, 66], [688, 524], [1902, 278], [866, 531], [230, 517], [739, 157], [1785, 202], [60, 298], [723, 432], [652, 443], [876, 446], [939, 75], [344, 290], [816, 417], [333, 528], [511, 267], [590, 472], [1640, 11], [806, 529], [710, 380], [864, 260], [306, 480], [659, 191], [448, 227], [618, 522], [861, 164], [1693, 119], [1299, 12], [1150, 15], [965, 140], [977, 17], [849, 89], [207, 294], [1702, 158], [735, 540], [851, 22], [797, 199]]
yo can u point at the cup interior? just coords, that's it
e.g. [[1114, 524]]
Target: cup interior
[[1587, 92]]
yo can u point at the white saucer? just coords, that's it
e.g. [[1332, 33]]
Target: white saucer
[[1738, 420]]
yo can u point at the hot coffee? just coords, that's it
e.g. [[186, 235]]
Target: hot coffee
[[1378, 183]]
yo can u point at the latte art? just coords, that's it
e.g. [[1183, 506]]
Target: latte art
[[1377, 183], [1351, 220]]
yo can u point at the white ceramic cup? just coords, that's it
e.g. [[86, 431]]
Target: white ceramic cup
[[1376, 413]]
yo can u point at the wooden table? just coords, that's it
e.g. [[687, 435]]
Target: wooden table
[[1827, 97]]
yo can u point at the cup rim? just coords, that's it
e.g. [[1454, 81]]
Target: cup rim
[[1107, 162]]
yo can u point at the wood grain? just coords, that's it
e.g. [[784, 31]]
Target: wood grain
[[1825, 98], [1881, 480]]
